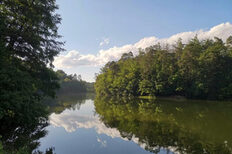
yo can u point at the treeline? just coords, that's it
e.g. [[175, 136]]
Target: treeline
[[198, 69], [73, 83]]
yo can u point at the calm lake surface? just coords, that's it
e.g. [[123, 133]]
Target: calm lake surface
[[84, 125]]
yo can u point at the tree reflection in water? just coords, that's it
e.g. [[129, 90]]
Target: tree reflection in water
[[22, 136], [178, 126], [24, 139]]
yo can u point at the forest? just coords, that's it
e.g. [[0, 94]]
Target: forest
[[73, 84], [199, 69]]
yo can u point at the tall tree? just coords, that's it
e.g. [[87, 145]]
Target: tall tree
[[30, 30], [29, 40]]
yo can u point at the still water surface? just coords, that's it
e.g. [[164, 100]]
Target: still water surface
[[119, 126]]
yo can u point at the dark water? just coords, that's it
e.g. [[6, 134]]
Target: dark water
[[82, 125]]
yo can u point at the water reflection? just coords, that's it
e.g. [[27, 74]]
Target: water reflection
[[83, 123], [104, 125], [24, 138], [182, 127], [71, 120]]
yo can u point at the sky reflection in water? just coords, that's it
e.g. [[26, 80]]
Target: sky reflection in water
[[139, 126], [80, 130]]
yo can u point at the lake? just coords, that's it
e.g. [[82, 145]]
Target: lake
[[88, 125]]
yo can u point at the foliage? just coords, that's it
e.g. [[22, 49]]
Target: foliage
[[73, 83], [198, 69], [28, 44], [30, 30]]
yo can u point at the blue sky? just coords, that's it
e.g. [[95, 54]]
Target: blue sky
[[87, 23]]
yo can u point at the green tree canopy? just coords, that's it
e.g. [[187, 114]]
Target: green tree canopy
[[198, 69], [28, 43]]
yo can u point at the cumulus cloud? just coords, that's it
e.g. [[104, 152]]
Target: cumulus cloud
[[74, 58], [105, 41]]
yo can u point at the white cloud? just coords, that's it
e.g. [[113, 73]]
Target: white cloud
[[74, 58], [105, 41]]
